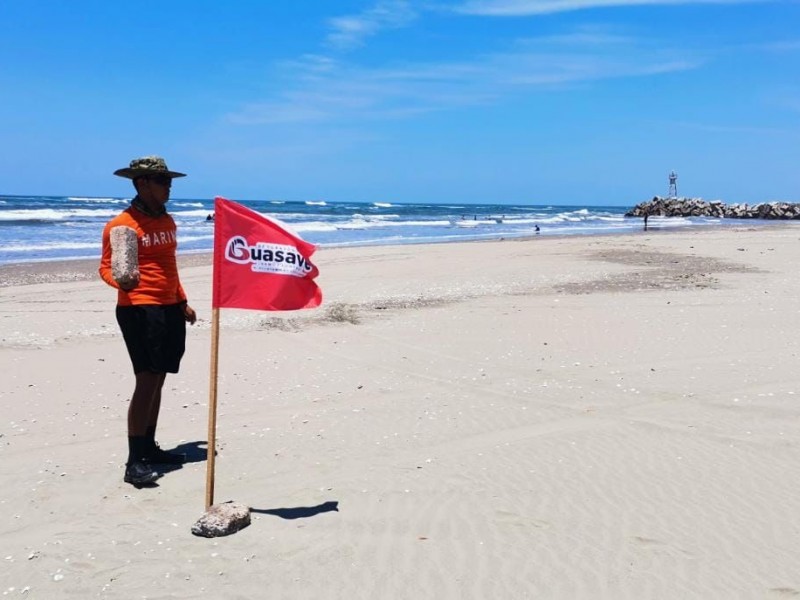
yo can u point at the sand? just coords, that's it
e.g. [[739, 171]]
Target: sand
[[589, 417]]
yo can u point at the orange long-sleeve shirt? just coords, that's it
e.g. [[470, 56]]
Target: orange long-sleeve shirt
[[158, 266]]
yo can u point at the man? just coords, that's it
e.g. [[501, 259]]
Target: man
[[151, 310]]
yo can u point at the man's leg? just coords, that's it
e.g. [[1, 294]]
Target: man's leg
[[146, 393], [153, 453], [148, 385], [155, 407]]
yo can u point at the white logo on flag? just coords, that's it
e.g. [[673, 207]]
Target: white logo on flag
[[264, 257]]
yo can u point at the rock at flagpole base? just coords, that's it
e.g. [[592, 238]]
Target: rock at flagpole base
[[222, 519], [124, 255]]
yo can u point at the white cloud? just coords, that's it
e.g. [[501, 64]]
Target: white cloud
[[521, 8], [738, 129], [351, 31], [342, 91], [782, 46]]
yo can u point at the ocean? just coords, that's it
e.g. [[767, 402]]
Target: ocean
[[46, 228]]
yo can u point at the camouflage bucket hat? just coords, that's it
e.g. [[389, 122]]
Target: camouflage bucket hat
[[147, 165]]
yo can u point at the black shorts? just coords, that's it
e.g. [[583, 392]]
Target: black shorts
[[154, 335]]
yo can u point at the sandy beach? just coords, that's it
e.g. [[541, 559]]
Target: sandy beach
[[588, 417]]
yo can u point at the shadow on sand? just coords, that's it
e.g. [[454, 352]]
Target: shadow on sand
[[198, 452], [300, 512], [193, 451]]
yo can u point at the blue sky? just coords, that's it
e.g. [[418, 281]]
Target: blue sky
[[521, 101]]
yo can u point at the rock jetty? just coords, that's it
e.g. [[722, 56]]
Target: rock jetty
[[696, 207]]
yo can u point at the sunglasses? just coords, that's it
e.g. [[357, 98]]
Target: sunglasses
[[161, 180]]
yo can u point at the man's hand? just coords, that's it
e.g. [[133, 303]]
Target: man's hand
[[189, 314]]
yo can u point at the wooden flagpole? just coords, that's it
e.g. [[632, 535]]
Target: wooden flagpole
[[212, 408]]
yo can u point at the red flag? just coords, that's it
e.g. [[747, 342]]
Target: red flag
[[259, 264]]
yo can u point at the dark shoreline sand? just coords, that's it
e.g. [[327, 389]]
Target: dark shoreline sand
[[83, 269]]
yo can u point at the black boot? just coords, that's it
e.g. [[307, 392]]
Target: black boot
[[136, 471], [155, 455]]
